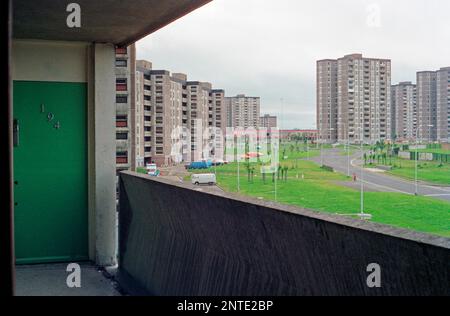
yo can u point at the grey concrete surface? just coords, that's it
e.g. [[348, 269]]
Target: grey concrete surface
[[176, 240], [378, 181], [112, 21], [50, 280]]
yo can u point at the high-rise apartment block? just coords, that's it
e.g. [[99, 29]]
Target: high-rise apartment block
[[268, 121], [433, 105], [173, 116], [426, 105], [404, 111], [353, 99], [443, 105], [243, 111], [125, 106], [327, 99]]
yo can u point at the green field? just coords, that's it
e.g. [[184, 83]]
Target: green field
[[310, 186], [428, 171], [433, 151]]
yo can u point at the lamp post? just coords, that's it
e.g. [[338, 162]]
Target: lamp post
[[361, 214], [416, 158], [348, 156]]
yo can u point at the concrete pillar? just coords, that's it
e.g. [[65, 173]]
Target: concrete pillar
[[102, 148]]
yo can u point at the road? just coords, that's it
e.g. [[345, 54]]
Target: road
[[378, 181]]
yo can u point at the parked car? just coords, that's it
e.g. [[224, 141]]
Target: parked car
[[217, 162], [208, 162], [206, 178], [152, 170], [198, 165]]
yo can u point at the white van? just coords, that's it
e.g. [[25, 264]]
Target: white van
[[206, 178]]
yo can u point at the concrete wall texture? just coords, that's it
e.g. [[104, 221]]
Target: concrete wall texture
[[175, 240]]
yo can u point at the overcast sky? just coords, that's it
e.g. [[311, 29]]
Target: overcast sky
[[269, 48]]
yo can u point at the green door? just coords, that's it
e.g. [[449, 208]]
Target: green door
[[50, 172]]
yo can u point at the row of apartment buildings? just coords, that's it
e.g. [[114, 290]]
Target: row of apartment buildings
[[356, 101], [163, 118], [423, 109]]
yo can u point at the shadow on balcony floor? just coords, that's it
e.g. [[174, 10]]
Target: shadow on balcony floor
[[50, 280]]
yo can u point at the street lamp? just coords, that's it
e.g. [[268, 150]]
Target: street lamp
[[362, 215], [416, 158]]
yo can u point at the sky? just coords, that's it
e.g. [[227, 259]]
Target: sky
[[270, 48]]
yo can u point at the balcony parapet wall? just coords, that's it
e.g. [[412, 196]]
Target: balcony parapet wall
[[176, 240]]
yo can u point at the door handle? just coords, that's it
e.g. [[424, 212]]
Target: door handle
[[16, 133]]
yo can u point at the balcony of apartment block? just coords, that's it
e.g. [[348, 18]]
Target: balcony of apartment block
[[122, 71], [121, 52], [122, 144], [122, 108], [123, 163], [122, 88]]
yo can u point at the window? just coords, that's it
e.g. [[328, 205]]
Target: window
[[121, 84], [121, 99], [121, 121], [121, 157], [121, 135], [121, 62], [121, 50]]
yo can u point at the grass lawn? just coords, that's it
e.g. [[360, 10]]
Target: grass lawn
[[433, 151], [319, 190], [429, 171]]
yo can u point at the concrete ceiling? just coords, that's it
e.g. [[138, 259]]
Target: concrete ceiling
[[121, 22]]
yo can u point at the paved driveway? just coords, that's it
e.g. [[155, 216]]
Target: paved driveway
[[379, 181]]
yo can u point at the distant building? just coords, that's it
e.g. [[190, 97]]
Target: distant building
[[354, 99], [426, 105], [443, 104], [243, 111], [433, 105], [403, 111], [268, 121], [310, 134], [169, 109], [125, 106]]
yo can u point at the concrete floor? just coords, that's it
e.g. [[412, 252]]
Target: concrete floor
[[50, 280]]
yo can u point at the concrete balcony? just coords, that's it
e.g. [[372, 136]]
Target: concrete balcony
[[122, 145], [122, 108], [122, 71], [207, 242]]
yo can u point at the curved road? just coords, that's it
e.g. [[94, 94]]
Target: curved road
[[380, 181]]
